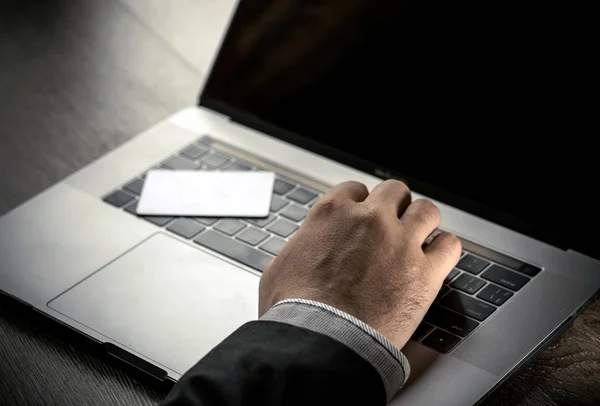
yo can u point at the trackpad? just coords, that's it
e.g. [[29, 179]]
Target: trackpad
[[165, 300]]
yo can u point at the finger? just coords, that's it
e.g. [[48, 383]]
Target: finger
[[443, 253], [421, 218], [391, 195], [352, 190]]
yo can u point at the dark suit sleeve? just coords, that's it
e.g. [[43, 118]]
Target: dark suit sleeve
[[269, 362]]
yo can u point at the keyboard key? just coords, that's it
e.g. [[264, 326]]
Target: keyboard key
[[281, 187], [441, 341], [252, 236], [441, 293], [467, 283], [453, 274], [118, 198], [471, 263], [283, 228], [237, 166], [467, 305], [206, 220], [529, 270], [261, 222], [302, 196], [273, 245], [180, 163], [157, 220], [160, 221], [214, 160], [277, 203], [234, 249], [504, 277], [194, 151], [294, 212], [230, 226], [135, 186], [494, 295], [132, 207], [186, 228], [450, 321], [421, 331]]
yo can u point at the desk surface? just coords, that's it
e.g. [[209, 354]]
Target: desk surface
[[79, 78]]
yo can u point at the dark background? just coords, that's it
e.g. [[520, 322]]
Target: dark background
[[77, 79], [488, 101]]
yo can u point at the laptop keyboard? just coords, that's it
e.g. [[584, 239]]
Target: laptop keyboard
[[253, 242], [471, 293]]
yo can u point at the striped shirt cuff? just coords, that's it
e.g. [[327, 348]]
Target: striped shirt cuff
[[372, 346]]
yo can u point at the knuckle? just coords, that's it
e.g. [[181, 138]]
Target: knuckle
[[454, 245], [450, 244], [454, 242], [372, 215], [396, 184], [326, 205], [429, 209], [353, 184], [416, 268], [350, 186]]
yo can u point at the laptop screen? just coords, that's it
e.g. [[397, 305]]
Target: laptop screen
[[483, 105]]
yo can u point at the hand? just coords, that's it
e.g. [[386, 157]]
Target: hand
[[363, 254]]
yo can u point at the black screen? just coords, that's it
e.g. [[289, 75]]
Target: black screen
[[484, 105]]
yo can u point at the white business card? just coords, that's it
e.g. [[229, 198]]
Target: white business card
[[207, 193]]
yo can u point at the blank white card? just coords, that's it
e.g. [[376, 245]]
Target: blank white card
[[207, 193]]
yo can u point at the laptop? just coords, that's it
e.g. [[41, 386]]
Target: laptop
[[465, 110]]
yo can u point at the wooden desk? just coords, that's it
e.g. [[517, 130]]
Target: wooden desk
[[78, 78]]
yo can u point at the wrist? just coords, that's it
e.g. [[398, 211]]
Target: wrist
[[322, 318]]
